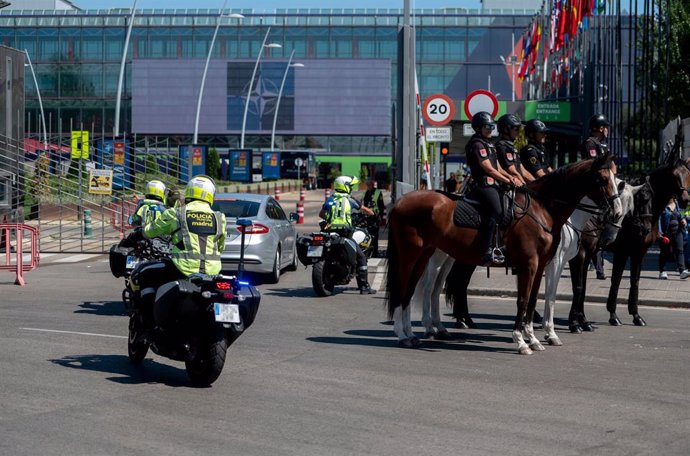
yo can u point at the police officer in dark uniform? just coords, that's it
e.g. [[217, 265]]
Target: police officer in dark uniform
[[595, 146], [533, 156], [487, 175], [508, 157]]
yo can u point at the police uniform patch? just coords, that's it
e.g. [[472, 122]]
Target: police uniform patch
[[592, 152], [509, 156], [483, 153], [533, 160]]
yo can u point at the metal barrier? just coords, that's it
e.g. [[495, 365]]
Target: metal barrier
[[119, 217], [19, 266]]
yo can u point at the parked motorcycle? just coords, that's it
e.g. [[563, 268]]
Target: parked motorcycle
[[332, 255], [205, 314]]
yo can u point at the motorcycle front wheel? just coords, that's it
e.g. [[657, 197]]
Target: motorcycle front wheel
[[137, 348], [207, 364], [318, 280]]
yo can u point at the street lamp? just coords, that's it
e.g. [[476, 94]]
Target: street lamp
[[511, 62], [280, 94], [40, 101], [251, 82], [208, 58], [116, 130]]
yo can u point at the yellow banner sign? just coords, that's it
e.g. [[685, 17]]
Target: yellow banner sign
[[101, 181], [80, 145]]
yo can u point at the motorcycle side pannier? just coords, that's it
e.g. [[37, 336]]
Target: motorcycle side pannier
[[118, 260], [303, 243]]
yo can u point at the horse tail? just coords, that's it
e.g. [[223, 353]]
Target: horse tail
[[450, 288], [392, 298]]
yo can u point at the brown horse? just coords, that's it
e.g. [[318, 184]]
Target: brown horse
[[422, 221]]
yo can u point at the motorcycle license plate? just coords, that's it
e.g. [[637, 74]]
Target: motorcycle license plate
[[315, 251], [226, 313], [132, 262]]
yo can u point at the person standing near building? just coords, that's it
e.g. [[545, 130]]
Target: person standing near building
[[533, 155], [373, 199], [671, 240], [451, 184], [508, 157]]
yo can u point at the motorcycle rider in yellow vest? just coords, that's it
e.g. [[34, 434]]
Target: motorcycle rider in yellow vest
[[153, 204], [337, 213], [198, 238]]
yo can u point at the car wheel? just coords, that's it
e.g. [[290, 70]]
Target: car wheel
[[293, 266], [274, 276]]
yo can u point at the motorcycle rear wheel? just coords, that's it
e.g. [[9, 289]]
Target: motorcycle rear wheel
[[137, 348], [321, 287], [208, 363]]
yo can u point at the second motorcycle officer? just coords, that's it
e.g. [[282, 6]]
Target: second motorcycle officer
[[487, 175]]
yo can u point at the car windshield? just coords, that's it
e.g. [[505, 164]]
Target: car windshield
[[237, 208]]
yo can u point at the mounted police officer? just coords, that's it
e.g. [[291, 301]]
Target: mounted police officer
[[198, 238], [153, 204], [487, 175], [595, 145], [337, 213], [373, 199], [508, 157], [533, 155]]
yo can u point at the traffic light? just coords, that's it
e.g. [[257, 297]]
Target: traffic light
[[445, 148]]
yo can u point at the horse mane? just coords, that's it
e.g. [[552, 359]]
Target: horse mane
[[558, 181]]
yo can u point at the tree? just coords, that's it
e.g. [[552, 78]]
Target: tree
[[679, 71], [213, 164]]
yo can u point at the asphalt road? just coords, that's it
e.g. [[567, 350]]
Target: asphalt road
[[325, 377]]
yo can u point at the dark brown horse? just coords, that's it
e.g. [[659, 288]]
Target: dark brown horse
[[639, 231], [422, 221]]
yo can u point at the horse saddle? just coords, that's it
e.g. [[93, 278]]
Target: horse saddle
[[467, 215]]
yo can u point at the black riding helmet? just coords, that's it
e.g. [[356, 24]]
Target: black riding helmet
[[480, 119], [597, 121], [507, 121], [535, 126]]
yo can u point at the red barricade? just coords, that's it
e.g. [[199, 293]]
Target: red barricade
[[300, 213], [119, 215], [20, 232], [277, 195]]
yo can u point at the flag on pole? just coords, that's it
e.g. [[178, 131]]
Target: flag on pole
[[421, 137]]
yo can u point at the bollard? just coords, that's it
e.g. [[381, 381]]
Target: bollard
[[88, 229], [301, 194], [277, 197], [300, 213]]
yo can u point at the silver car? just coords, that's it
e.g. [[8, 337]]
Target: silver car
[[269, 243]]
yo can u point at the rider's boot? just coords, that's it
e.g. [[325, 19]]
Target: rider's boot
[[363, 281], [491, 255]]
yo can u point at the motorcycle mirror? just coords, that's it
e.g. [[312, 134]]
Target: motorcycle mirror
[[294, 216]]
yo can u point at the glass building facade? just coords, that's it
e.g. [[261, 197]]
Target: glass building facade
[[76, 56]]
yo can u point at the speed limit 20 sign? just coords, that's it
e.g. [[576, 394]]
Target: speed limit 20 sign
[[438, 109]]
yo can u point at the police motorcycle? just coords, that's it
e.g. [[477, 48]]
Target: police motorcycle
[[332, 255], [207, 314]]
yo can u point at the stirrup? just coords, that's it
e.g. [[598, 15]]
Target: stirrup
[[497, 256]]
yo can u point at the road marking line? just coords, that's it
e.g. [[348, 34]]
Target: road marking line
[[74, 258], [378, 280], [74, 332], [374, 262]]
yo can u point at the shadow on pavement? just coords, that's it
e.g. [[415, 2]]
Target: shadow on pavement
[[108, 308], [148, 373], [306, 292]]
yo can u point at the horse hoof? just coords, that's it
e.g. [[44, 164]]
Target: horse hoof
[[444, 335], [525, 350], [536, 346], [429, 335], [415, 342], [554, 341], [405, 343], [615, 321], [639, 321], [575, 328], [459, 324], [470, 323], [587, 326]]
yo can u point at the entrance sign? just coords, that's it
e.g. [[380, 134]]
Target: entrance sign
[[438, 109], [438, 134], [481, 100], [548, 111]]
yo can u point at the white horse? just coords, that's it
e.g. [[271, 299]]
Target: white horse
[[568, 248], [440, 265]]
